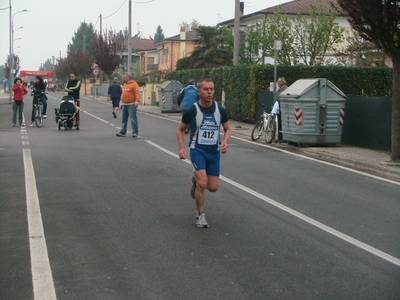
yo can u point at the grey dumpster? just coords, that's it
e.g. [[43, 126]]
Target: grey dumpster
[[168, 95], [312, 112]]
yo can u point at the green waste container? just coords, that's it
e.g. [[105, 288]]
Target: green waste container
[[168, 95], [312, 112]]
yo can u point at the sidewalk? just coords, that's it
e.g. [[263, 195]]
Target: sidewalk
[[367, 160]]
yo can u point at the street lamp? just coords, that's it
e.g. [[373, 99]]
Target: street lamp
[[12, 44], [277, 47]]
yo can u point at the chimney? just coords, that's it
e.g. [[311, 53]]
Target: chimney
[[183, 33]]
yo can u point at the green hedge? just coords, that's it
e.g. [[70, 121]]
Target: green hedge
[[241, 83]]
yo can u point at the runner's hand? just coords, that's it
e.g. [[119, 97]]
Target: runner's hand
[[183, 154]]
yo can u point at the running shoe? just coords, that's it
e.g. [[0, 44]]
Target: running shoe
[[201, 220]]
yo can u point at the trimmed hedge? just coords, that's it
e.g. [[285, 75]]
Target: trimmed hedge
[[241, 83]]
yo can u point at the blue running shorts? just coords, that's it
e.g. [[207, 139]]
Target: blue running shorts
[[203, 160]]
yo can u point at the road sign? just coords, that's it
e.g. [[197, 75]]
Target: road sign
[[95, 71]]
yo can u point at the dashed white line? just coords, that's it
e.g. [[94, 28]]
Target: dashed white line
[[338, 234], [42, 278]]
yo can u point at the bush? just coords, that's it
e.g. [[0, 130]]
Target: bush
[[241, 83]]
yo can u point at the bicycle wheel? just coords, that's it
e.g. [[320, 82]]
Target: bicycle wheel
[[38, 116], [270, 130], [257, 130]]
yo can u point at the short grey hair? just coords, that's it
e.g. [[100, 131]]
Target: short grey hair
[[283, 79]]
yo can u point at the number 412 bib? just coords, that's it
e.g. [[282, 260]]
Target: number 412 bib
[[208, 134]]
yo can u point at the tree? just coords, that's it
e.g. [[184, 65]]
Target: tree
[[183, 64], [159, 35], [3, 74], [315, 37], [123, 35], [107, 50], [214, 48], [83, 39], [357, 51], [190, 26], [78, 62], [303, 39], [378, 22], [259, 40], [16, 65], [47, 65]]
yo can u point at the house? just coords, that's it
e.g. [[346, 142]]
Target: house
[[138, 46], [292, 8], [171, 49]]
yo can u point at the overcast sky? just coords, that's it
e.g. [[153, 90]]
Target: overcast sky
[[49, 25]]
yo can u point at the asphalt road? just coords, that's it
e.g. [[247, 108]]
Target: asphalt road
[[88, 215]]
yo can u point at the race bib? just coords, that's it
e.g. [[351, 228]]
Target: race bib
[[208, 134]]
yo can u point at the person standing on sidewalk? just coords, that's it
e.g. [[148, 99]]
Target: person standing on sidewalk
[[205, 118], [18, 101], [281, 87], [73, 88], [188, 96], [114, 94], [129, 101], [5, 83]]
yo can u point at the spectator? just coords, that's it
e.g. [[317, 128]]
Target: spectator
[[114, 94], [281, 87], [18, 101], [130, 101]]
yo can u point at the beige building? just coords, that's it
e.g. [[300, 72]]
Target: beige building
[[174, 48]]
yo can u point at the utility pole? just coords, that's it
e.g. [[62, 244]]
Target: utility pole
[[101, 35], [10, 65], [236, 40], [129, 38]]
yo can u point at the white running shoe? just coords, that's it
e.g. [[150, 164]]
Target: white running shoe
[[44, 117], [201, 220]]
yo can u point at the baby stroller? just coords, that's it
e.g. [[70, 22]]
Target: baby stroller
[[65, 115]]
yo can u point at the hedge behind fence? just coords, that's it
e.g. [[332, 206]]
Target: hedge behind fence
[[241, 83]]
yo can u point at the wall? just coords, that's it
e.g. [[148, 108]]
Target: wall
[[367, 121], [150, 93]]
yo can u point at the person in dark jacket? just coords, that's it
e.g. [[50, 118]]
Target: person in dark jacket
[[38, 90], [73, 87], [114, 94]]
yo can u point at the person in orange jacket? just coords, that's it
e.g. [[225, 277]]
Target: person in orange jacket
[[130, 99], [18, 101]]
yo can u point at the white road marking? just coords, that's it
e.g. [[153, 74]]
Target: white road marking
[[42, 278], [319, 161], [273, 148], [298, 215], [100, 119]]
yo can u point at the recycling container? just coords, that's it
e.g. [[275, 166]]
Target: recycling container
[[168, 95], [312, 112]]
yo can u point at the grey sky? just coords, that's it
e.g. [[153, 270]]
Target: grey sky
[[49, 26]]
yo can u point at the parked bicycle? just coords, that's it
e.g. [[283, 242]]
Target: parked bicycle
[[265, 125], [38, 110]]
